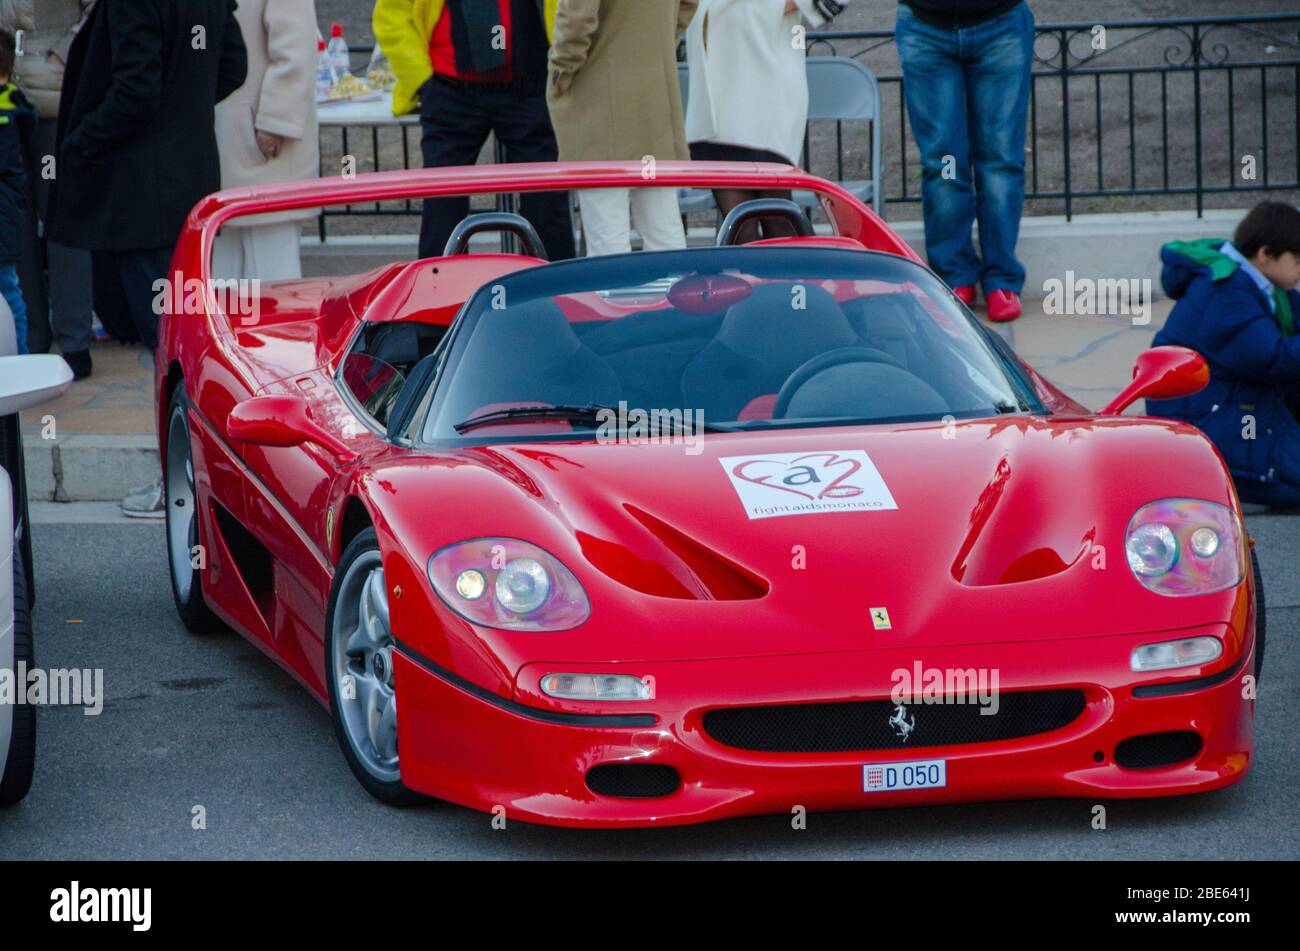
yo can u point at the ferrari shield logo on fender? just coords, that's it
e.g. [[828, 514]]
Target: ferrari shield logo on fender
[[808, 483]]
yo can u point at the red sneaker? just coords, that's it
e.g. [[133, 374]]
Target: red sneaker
[[965, 293], [1003, 305]]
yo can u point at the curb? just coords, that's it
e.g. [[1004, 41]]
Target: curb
[[87, 467]]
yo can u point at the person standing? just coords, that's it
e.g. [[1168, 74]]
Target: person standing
[[266, 132], [966, 80], [748, 97], [137, 146], [56, 278], [614, 96], [474, 68], [17, 119]]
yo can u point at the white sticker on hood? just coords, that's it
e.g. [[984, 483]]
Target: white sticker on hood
[[808, 483]]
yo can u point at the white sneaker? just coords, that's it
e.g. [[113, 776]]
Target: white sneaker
[[146, 502]]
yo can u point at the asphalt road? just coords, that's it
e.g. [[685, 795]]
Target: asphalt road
[[209, 721]]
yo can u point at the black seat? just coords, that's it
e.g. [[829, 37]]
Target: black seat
[[762, 340], [529, 354], [417, 381]]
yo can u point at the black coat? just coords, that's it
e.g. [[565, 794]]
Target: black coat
[[137, 147], [17, 158]]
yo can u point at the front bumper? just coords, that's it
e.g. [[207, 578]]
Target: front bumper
[[526, 755]]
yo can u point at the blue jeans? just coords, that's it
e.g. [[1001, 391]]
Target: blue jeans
[[967, 94], [12, 292]]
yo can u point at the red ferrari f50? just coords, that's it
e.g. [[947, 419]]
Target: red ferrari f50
[[669, 537]]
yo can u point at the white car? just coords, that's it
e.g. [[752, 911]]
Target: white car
[[24, 381]]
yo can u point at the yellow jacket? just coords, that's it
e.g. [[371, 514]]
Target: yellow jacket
[[403, 29]]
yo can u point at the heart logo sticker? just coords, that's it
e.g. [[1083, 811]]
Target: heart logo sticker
[[808, 483]]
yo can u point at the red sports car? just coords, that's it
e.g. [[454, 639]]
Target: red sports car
[[669, 537]]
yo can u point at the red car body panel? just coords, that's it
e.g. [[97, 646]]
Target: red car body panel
[[1004, 522]]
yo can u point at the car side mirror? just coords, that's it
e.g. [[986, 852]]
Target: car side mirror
[[1162, 373], [31, 379], [281, 421]]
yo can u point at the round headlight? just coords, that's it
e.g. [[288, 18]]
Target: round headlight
[[1204, 541], [1179, 547], [470, 584], [1152, 549], [508, 584], [522, 586]]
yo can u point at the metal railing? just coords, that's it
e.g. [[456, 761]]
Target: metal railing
[[1123, 113], [1121, 109]]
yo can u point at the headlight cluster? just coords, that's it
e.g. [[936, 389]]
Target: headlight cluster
[[1167, 655], [509, 584], [597, 687], [1179, 547]]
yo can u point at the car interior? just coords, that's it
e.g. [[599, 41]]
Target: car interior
[[878, 355], [728, 344]]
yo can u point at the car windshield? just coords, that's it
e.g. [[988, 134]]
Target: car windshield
[[733, 338]]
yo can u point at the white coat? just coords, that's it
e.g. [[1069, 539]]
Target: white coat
[[279, 96], [748, 81]]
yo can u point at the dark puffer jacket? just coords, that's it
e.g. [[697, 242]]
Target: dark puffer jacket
[[1254, 366], [17, 164]]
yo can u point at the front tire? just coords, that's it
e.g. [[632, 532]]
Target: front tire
[[183, 521], [20, 763], [359, 672]]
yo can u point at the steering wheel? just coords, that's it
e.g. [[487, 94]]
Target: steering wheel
[[824, 361], [517, 225]]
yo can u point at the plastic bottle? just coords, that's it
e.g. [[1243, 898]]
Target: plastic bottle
[[338, 50], [324, 72]]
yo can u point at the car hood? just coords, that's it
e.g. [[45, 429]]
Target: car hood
[[975, 532]]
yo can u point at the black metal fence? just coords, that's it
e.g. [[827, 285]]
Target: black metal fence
[[1124, 115], [1123, 109]]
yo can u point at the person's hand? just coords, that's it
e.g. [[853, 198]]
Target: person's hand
[[269, 144], [560, 82], [826, 10]]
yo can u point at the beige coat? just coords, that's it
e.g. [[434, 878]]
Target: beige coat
[[613, 93], [49, 27], [279, 96]]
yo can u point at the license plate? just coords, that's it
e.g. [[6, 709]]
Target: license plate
[[914, 774]]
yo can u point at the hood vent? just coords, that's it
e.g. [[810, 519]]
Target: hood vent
[[716, 577], [671, 564]]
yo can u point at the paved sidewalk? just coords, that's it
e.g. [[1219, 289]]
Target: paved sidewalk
[[104, 441], [96, 441], [1091, 358]]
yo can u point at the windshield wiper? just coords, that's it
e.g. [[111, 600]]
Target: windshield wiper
[[584, 414]]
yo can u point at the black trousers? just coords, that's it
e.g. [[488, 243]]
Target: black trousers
[[56, 279], [455, 120], [136, 273]]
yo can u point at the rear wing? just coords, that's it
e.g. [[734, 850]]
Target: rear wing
[[848, 216]]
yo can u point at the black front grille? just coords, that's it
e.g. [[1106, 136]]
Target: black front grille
[[1153, 750], [633, 780], [866, 724]]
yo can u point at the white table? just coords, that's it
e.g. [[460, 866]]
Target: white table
[[376, 114], [371, 112]]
